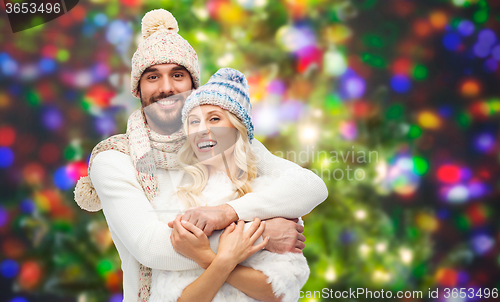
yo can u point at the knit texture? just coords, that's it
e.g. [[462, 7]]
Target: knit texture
[[162, 45], [228, 89]]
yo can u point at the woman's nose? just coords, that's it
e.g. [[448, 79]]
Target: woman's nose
[[204, 128]]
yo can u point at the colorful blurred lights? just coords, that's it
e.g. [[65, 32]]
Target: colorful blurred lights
[[7, 136], [330, 274], [4, 217], [348, 130], [466, 28], [62, 179], [309, 134], [52, 118], [458, 194], [353, 86], [400, 83], [485, 142], [495, 52], [448, 174], [7, 65], [406, 255], [6, 157], [9, 268], [482, 50], [452, 41], [487, 37], [470, 88], [334, 63], [482, 244], [429, 120]]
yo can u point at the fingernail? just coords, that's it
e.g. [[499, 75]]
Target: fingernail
[[183, 221], [263, 221]]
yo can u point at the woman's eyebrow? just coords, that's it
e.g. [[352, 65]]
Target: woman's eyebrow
[[214, 111]]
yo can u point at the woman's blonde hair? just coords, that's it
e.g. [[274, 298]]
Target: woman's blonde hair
[[242, 173]]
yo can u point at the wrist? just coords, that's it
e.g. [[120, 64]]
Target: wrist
[[206, 259], [229, 213], [225, 262]]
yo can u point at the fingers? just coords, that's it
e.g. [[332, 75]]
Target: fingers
[[301, 237], [240, 226], [230, 228], [299, 228], [258, 232], [192, 228], [171, 224], [179, 227], [300, 245], [261, 245], [208, 230], [254, 226]]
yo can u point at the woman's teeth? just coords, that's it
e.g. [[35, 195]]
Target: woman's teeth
[[209, 144]]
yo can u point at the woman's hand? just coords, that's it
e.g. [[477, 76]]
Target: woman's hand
[[235, 245], [190, 241]]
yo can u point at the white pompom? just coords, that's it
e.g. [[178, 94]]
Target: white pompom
[[158, 19]]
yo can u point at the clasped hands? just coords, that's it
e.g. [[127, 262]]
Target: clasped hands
[[285, 235]]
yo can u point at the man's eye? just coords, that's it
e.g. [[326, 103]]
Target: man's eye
[[178, 75], [152, 77]]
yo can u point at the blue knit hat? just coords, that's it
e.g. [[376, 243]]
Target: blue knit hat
[[228, 89]]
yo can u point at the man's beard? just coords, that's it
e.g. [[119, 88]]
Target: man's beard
[[159, 118]]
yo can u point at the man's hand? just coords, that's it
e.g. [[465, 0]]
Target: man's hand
[[210, 219], [285, 235]]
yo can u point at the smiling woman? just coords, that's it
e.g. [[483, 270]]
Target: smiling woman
[[222, 165]]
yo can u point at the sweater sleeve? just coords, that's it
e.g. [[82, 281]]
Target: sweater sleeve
[[295, 191], [130, 215]]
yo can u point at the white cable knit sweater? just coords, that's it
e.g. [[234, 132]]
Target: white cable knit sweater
[[141, 237], [287, 273]]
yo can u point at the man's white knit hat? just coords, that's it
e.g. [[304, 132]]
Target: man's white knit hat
[[161, 45]]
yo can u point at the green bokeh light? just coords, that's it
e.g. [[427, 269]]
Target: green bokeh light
[[420, 72], [414, 132], [420, 165]]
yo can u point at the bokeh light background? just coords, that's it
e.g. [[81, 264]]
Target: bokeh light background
[[414, 84]]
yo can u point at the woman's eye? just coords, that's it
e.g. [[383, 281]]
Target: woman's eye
[[193, 122], [214, 119]]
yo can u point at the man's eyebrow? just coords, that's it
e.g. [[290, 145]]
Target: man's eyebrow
[[178, 68], [150, 69]]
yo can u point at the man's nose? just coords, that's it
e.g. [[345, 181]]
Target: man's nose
[[166, 86]]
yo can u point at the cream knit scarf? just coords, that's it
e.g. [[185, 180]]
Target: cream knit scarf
[[150, 150]]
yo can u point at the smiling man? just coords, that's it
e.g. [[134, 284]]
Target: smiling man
[[128, 172]]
